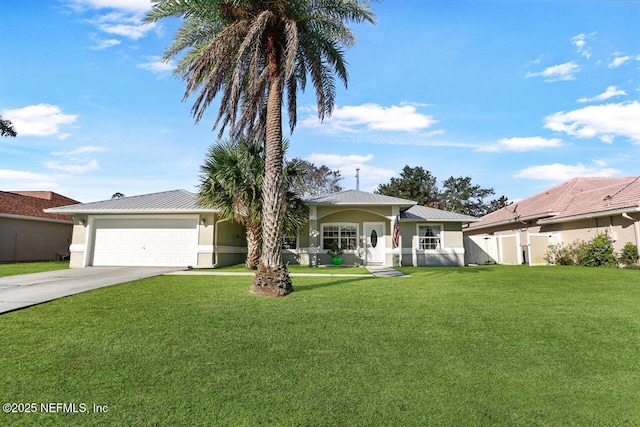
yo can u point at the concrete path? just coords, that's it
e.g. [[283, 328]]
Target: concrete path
[[25, 290], [381, 271]]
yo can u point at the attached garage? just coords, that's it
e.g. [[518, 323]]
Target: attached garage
[[145, 241]]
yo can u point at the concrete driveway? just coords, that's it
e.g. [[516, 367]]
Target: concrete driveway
[[30, 289]]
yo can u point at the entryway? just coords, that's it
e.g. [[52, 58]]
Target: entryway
[[375, 243]]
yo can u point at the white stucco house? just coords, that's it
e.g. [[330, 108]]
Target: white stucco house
[[171, 229]]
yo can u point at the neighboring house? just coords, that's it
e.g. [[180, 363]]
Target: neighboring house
[[27, 233], [171, 229], [576, 210]]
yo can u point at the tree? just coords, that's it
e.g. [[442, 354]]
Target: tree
[[6, 128], [316, 181], [117, 195], [458, 195], [231, 181], [461, 196], [415, 184], [253, 53]]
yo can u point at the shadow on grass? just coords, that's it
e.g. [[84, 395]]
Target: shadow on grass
[[327, 283]]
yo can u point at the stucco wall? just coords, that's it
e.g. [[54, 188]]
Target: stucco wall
[[31, 240]]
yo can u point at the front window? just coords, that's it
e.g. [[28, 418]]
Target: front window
[[429, 237], [290, 242], [343, 235]]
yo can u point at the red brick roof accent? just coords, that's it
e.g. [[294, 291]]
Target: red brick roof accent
[[578, 196], [33, 203]]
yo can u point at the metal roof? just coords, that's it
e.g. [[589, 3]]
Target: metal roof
[[355, 197], [424, 213], [167, 201]]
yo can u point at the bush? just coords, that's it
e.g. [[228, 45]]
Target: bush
[[563, 255], [598, 253], [629, 255], [595, 253]]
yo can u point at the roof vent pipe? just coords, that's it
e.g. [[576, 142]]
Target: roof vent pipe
[[358, 179]]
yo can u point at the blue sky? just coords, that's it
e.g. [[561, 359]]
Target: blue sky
[[517, 94]]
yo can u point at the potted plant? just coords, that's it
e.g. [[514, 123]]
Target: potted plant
[[335, 252]]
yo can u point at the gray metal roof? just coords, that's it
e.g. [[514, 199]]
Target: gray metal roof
[[423, 213], [166, 201], [355, 197]]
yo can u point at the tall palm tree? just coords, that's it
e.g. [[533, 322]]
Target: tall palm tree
[[254, 52], [231, 181], [6, 128]]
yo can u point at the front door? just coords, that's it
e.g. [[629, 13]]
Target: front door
[[374, 232]]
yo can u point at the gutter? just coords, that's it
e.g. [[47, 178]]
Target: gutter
[[511, 221], [590, 215]]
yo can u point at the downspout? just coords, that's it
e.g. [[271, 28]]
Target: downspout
[[636, 229]]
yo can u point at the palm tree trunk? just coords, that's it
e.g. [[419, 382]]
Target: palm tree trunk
[[254, 243], [272, 277]]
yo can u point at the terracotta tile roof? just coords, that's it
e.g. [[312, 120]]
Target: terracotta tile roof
[[33, 203], [578, 196]]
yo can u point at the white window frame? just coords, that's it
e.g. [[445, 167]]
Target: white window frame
[[297, 239], [341, 224], [440, 237]]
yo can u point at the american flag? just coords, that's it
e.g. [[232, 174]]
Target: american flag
[[395, 239]]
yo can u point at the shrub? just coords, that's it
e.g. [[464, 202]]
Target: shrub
[[595, 253], [563, 255], [598, 253], [629, 255]]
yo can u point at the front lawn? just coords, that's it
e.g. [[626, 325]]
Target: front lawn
[[475, 346], [32, 267]]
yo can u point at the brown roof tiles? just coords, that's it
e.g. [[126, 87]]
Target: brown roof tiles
[[33, 203]]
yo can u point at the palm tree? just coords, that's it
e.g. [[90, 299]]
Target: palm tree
[[6, 128], [254, 52], [231, 181]]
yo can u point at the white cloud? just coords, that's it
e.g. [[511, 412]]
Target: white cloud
[[580, 42], [559, 172], [13, 179], [611, 92], [104, 43], [404, 118], [129, 5], [370, 176], [522, 144], [561, 72], [73, 169], [158, 66], [619, 60], [602, 121], [115, 17], [131, 31], [79, 151], [39, 120]]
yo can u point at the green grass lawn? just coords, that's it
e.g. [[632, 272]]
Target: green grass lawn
[[32, 267], [476, 346]]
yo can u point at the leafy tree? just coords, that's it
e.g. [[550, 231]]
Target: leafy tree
[[231, 181], [316, 181], [458, 195], [256, 54], [498, 203], [117, 195], [6, 128], [461, 196], [415, 184]]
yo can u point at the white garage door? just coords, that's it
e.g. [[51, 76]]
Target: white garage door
[[170, 242]]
